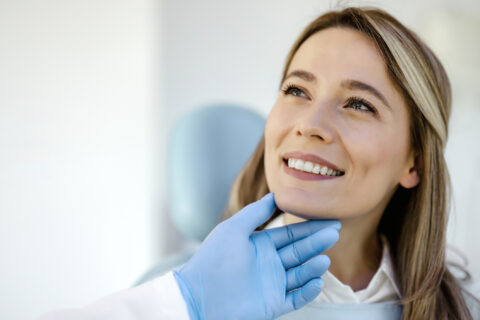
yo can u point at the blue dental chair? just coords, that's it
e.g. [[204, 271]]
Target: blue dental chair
[[207, 149]]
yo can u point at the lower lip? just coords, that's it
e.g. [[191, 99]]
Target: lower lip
[[305, 175]]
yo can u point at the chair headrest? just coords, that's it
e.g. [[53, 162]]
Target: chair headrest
[[207, 149]]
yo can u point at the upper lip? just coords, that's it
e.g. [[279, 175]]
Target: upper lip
[[310, 157]]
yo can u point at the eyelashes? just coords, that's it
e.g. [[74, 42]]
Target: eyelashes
[[355, 102], [290, 87]]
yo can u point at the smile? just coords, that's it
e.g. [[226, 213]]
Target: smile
[[315, 168], [304, 175]]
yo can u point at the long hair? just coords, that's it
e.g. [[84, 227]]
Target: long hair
[[415, 220]]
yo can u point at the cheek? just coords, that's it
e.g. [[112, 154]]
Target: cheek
[[374, 166], [368, 148], [377, 153], [276, 128], [278, 115], [278, 121]]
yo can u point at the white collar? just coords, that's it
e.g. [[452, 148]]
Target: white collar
[[382, 287]]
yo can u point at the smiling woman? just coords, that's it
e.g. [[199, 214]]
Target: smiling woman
[[363, 96]]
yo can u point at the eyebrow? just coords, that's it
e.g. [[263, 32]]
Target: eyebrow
[[349, 84]]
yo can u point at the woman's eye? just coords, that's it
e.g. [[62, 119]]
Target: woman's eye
[[361, 105], [294, 91]]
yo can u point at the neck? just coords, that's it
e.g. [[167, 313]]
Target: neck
[[356, 256]]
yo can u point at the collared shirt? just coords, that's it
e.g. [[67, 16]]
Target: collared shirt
[[382, 287]]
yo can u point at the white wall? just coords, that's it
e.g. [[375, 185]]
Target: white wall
[[79, 83]]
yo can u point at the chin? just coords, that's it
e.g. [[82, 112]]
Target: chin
[[302, 208], [311, 216]]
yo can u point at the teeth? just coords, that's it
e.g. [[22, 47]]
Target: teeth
[[291, 163], [311, 167], [299, 165], [323, 171], [308, 166]]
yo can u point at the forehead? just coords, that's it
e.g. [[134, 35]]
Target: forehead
[[339, 53]]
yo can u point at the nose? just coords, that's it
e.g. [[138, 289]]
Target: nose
[[317, 123]]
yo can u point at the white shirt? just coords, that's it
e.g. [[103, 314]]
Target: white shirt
[[383, 286]]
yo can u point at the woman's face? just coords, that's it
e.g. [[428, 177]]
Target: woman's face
[[338, 103]]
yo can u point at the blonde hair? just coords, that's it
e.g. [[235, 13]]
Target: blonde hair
[[415, 220]]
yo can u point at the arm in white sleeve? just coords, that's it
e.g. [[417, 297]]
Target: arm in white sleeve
[[159, 298]]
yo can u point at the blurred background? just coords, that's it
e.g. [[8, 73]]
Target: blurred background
[[90, 89]]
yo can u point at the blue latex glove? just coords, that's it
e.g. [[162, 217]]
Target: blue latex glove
[[241, 274]]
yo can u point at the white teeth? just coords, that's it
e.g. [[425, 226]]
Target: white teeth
[[291, 163], [315, 168], [299, 164], [308, 166], [323, 171]]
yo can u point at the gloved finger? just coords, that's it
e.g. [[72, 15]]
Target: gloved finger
[[282, 236], [296, 299], [255, 214], [303, 250], [298, 276]]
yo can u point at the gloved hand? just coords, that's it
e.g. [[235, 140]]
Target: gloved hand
[[241, 274]]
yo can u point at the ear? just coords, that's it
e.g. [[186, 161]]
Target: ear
[[410, 177]]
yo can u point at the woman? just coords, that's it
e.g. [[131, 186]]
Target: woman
[[356, 134], [363, 92]]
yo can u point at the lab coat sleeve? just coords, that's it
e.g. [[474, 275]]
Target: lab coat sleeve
[[159, 298]]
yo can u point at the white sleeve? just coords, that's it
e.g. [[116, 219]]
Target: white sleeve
[[159, 298]]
